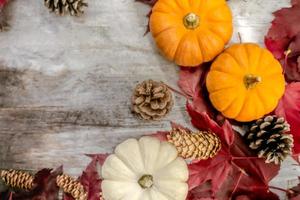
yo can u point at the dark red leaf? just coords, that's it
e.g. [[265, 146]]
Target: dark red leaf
[[289, 108], [234, 169], [192, 83], [257, 194], [90, 178], [202, 121], [2, 3], [189, 80], [99, 158], [46, 188], [295, 2], [284, 35]]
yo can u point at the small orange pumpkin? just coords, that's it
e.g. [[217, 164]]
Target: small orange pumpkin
[[245, 82], [191, 32]]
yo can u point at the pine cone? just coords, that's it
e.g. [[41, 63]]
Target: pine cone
[[71, 186], [269, 137], [198, 145], [152, 100], [61, 7], [17, 179]]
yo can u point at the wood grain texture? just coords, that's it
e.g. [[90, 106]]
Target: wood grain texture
[[66, 83]]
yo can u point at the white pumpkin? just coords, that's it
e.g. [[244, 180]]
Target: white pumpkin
[[144, 169]]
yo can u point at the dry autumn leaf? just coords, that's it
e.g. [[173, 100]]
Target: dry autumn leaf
[[235, 169], [46, 188], [289, 108], [283, 38]]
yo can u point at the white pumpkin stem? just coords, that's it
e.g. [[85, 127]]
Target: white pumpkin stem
[[146, 181]]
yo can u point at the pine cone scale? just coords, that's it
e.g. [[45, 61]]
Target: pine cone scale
[[60, 7], [71, 186], [17, 179], [151, 100], [269, 137], [199, 145]]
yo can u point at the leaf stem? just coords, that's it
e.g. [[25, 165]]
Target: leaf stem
[[243, 158], [179, 92], [242, 170], [236, 185], [286, 53], [280, 189]]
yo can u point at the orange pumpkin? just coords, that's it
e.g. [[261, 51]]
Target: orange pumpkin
[[245, 82], [191, 32]]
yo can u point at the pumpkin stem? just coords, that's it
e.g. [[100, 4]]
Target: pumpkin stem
[[146, 181], [251, 80], [191, 21]]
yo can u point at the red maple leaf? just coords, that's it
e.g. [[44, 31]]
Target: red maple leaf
[[289, 108], [2, 3], [192, 84], [234, 167], [284, 35]]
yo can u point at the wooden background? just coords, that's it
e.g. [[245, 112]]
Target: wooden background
[[65, 82]]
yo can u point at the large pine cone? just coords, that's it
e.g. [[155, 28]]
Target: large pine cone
[[152, 100], [199, 145], [269, 137], [61, 7]]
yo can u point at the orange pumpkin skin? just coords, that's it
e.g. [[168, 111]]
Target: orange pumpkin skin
[[245, 82], [191, 32]]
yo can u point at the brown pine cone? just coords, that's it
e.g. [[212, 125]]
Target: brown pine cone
[[71, 186], [152, 100], [61, 7], [17, 179], [194, 145], [270, 138]]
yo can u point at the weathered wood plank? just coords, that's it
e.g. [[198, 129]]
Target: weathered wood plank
[[65, 83]]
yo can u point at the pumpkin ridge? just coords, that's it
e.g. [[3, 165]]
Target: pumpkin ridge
[[167, 4], [158, 191], [126, 164], [242, 107], [166, 13], [215, 7], [166, 164], [164, 193], [261, 101], [179, 44], [232, 102], [219, 20], [206, 56], [236, 61], [229, 74], [162, 31], [257, 60], [214, 31], [200, 47], [215, 34], [267, 65], [180, 6], [197, 9]]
